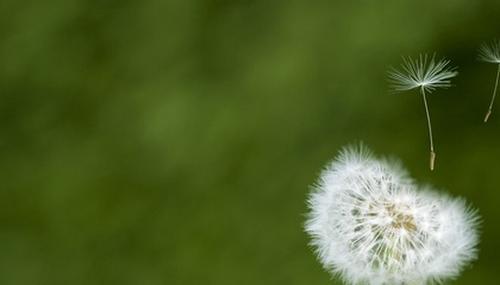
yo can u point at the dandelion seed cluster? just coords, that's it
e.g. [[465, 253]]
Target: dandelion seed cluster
[[371, 225]]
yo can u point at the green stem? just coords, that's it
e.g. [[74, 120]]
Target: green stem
[[429, 127], [494, 95]]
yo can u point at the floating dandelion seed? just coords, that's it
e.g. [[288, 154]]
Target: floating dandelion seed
[[370, 225], [427, 74], [490, 52]]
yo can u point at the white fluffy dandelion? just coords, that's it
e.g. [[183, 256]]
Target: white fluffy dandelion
[[427, 74], [370, 225], [490, 52]]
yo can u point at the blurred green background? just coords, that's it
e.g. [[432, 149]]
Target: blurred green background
[[173, 142]]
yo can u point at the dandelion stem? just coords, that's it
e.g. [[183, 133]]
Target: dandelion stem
[[429, 127], [493, 97]]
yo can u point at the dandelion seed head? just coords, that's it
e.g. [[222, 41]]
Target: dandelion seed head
[[370, 225], [490, 52], [423, 72]]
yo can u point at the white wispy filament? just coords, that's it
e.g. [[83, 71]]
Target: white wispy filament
[[371, 225], [490, 52], [423, 72], [426, 74]]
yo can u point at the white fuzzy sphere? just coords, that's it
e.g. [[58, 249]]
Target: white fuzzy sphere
[[371, 225]]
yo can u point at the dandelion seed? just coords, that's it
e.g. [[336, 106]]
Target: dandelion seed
[[427, 74], [490, 52], [371, 225]]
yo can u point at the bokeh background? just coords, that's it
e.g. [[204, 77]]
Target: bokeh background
[[173, 142]]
